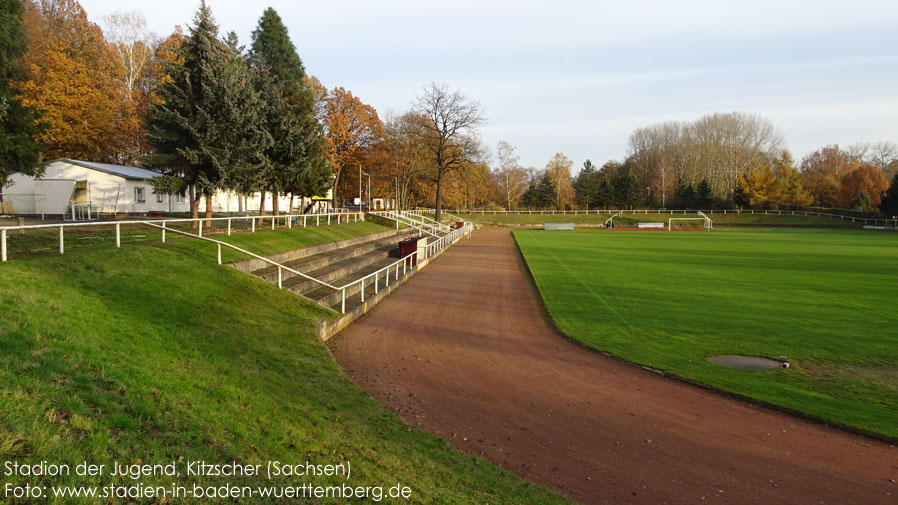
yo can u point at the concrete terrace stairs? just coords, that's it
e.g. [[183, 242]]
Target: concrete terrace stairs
[[337, 264]]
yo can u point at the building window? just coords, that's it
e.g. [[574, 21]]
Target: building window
[[139, 195], [160, 197], [179, 198]]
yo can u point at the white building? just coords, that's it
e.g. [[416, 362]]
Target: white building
[[68, 187]]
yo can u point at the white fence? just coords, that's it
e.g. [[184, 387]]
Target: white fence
[[860, 220], [288, 221], [432, 249]]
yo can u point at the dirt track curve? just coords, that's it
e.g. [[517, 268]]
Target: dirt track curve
[[464, 350]]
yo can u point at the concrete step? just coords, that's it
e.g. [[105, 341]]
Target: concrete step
[[309, 264], [334, 272], [333, 299]]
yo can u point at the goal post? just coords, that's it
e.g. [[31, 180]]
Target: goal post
[[706, 221]]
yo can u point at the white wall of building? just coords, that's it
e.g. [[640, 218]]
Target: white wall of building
[[114, 194]]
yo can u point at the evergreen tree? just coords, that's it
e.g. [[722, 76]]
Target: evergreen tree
[[529, 198], [19, 127], [588, 186], [206, 125], [862, 203], [888, 205], [546, 194], [704, 197], [299, 154], [626, 190], [685, 197]]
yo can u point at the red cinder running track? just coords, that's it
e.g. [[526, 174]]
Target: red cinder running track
[[465, 351]]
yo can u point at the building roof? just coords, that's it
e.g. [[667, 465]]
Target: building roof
[[136, 173]]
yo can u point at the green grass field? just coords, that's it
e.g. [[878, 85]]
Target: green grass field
[[825, 299], [152, 353], [720, 219]]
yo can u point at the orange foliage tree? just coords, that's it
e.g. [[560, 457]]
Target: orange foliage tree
[[865, 178], [352, 129], [74, 81]]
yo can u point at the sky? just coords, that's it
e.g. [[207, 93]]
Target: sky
[[579, 77]]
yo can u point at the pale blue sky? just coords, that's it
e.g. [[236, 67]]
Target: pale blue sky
[[578, 77]]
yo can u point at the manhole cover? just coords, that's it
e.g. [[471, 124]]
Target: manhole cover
[[745, 362]]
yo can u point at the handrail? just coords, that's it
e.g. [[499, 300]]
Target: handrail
[[428, 226], [361, 281], [244, 251], [181, 220], [440, 225], [388, 214]]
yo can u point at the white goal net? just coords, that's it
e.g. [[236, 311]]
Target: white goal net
[[705, 224]]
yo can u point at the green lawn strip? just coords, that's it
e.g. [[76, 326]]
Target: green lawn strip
[[154, 353], [822, 298], [719, 219], [264, 241]]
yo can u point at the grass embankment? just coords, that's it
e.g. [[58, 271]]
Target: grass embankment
[[152, 353], [626, 220], [281, 239], [822, 298]]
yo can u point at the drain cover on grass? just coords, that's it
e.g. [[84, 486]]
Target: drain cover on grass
[[745, 362]]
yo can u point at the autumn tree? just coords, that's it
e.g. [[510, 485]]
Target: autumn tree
[[19, 128], [73, 81], [559, 170], [510, 177], [134, 47], [449, 131], [716, 147], [352, 128], [407, 157], [864, 179], [776, 185]]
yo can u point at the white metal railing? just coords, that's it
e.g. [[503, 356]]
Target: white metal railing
[[220, 243], [401, 219], [425, 219], [441, 243], [288, 220], [385, 271], [861, 220]]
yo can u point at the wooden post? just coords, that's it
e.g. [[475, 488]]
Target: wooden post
[[61, 240]]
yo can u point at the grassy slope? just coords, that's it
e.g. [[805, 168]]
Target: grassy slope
[[279, 240], [825, 299], [153, 353], [744, 219]]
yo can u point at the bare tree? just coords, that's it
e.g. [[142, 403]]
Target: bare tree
[[135, 45], [882, 154], [407, 156], [510, 177], [449, 131]]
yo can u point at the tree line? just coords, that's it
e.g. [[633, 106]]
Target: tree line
[[216, 115], [719, 161]]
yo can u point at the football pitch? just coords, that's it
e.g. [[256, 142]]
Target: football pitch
[[825, 299]]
